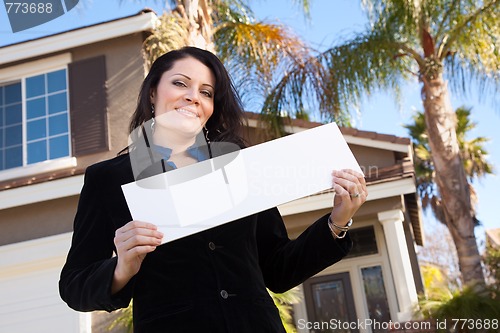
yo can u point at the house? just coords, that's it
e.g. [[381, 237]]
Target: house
[[65, 103], [380, 278]]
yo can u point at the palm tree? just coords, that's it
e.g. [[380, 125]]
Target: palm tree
[[436, 42], [472, 153], [440, 302]]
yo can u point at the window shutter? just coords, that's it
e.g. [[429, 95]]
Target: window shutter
[[87, 90]]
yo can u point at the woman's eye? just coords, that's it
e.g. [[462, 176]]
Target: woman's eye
[[207, 93], [179, 84]]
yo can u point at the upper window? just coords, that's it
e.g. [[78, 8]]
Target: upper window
[[34, 119], [364, 242]]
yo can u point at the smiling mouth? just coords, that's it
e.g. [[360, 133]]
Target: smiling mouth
[[187, 113]]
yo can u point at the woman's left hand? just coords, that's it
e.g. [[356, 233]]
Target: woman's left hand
[[350, 194]]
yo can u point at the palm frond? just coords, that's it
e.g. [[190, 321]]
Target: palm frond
[[468, 303], [368, 63], [397, 17], [170, 33], [440, 302], [124, 319], [258, 54], [305, 5], [303, 81], [284, 302], [471, 49], [259, 47]]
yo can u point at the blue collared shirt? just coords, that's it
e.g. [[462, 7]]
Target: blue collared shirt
[[199, 153]]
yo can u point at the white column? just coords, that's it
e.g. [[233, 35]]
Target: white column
[[85, 322], [392, 223], [300, 312]]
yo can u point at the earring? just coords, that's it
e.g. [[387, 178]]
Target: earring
[[206, 135], [153, 117], [208, 142]]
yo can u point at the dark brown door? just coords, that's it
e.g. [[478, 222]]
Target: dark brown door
[[330, 304]]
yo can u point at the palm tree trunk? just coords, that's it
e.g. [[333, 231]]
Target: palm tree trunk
[[450, 176], [198, 14]]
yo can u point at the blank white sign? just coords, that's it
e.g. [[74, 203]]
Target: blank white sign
[[251, 180]]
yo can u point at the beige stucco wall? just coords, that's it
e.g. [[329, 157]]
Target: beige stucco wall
[[37, 220], [372, 159], [125, 73], [297, 223]]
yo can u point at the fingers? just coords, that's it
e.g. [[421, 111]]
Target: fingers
[[349, 183], [133, 241], [350, 194], [138, 229], [137, 234], [136, 225], [350, 176]]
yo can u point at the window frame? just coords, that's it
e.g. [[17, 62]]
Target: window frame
[[18, 73]]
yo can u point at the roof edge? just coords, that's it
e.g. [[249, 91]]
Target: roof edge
[[142, 21], [352, 135]]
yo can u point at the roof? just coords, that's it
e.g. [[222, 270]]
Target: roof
[[142, 21], [305, 124], [351, 135], [143, 11]]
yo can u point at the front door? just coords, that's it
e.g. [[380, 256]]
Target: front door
[[330, 304]]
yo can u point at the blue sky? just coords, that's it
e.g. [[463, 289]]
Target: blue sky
[[331, 21]]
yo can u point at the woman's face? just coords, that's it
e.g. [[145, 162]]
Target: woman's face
[[184, 98]]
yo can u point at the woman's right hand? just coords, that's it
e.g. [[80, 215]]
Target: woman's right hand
[[133, 241]]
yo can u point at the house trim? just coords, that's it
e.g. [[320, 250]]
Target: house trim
[[45, 191], [34, 255], [34, 67], [377, 144], [37, 168], [350, 139], [69, 186], [79, 37], [324, 200]]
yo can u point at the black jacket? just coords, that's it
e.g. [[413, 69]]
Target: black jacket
[[213, 281]]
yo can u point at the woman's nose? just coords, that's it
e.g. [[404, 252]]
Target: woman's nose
[[192, 96]]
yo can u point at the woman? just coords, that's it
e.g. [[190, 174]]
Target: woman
[[214, 280]]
